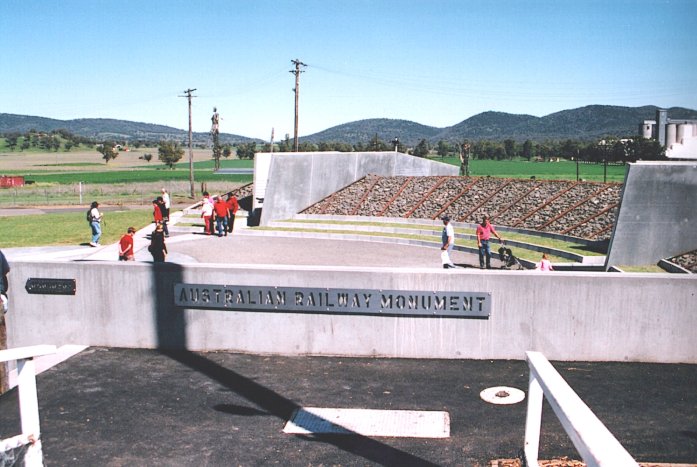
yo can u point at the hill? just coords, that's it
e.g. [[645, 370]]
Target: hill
[[365, 130], [109, 129], [584, 123]]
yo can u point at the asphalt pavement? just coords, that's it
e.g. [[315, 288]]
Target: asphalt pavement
[[117, 407]]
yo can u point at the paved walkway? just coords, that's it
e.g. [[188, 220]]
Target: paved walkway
[[245, 247]]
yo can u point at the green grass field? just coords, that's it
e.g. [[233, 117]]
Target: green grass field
[[68, 228], [562, 170]]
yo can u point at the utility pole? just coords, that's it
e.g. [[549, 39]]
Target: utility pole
[[191, 152], [271, 149], [296, 72]]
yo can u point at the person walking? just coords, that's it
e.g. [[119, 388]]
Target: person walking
[[221, 216], [158, 248], [207, 213], [448, 241], [156, 212], [4, 283], [166, 199], [233, 206], [164, 210], [95, 219], [484, 232], [126, 252]]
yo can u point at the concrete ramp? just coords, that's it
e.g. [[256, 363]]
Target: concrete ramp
[[657, 218], [297, 180]]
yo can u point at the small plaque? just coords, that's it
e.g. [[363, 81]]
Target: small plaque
[[50, 286]]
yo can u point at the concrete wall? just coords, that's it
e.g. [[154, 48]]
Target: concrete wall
[[298, 180], [566, 316], [658, 215]]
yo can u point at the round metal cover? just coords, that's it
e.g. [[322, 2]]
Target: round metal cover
[[502, 395]]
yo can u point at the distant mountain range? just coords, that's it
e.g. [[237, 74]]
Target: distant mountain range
[[101, 129], [584, 123]]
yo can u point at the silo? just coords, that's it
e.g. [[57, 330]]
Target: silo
[[671, 134], [684, 132], [647, 129]]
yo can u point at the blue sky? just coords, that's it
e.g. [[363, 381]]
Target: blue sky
[[434, 62]]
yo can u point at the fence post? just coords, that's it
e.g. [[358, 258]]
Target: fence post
[[533, 420]]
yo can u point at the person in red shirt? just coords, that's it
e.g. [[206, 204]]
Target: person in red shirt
[[221, 215], [233, 206], [126, 252], [484, 232], [156, 212]]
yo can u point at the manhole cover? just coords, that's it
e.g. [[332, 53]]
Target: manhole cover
[[502, 395]]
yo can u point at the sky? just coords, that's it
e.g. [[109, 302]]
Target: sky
[[434, 62]]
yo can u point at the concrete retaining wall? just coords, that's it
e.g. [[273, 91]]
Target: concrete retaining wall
[[566, 316], [298, 180], [658, 217]]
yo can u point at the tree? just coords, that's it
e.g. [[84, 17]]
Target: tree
[[376, 144], [645, 149], [11, 140], [285, 145], [108, 151], [227, 151], [443, 148], [528, 150], [147, 157], [421, 149], [246, 150], [170, 153], [509, 148]]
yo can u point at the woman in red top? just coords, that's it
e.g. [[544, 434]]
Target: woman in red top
[[156, 212], [233, 206]]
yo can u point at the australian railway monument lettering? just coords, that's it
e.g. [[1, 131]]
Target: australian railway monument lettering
[[334, 301]]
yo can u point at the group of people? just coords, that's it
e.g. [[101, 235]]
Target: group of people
[[483, 232], [218, 214], [157, 247], [160, 211]]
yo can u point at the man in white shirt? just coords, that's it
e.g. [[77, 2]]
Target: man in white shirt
[[448, 240]]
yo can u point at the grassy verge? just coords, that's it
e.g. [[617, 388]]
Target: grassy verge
[[556, 244], [67, 228]]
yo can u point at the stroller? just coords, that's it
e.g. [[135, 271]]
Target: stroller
[[508, 259]]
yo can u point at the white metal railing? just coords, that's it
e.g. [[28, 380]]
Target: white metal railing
[[28, 401], [595, 443]]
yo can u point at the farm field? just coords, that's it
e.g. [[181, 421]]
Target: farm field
[[78, 177], [562, 170]]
